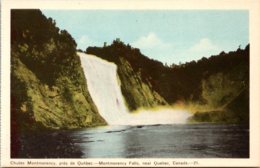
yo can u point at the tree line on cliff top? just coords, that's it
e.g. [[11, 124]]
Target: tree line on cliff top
[[184, 81]]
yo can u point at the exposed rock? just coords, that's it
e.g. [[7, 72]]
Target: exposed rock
[[137, 93]]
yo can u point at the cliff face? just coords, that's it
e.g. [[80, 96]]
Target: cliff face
[[137, 91], [208, 85], [48, 87], [62, 105], [226, 89]]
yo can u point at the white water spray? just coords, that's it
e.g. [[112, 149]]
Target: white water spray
[[104, 87]]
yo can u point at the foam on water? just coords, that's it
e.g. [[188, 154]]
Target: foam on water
[[104, 87]]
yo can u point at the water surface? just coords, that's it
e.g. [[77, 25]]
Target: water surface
[[153, 141]]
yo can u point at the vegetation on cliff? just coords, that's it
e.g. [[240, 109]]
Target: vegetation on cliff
[[48, 87], [137, 90], [211, 84]]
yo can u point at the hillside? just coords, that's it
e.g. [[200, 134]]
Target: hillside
[[48, 87], [137, 90], [210, 83]]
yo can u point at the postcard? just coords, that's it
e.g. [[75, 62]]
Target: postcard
[[145, 83]]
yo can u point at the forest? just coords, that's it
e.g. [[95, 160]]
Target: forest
[[48, 86], [215, 84]]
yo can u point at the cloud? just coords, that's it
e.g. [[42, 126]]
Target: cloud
[[154, 47], [151, 41], [84, 42], [204, 45], [202, 48]]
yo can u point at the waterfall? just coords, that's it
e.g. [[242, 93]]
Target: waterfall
[[104, 88]]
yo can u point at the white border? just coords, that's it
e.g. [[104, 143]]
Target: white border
[[254, 12]]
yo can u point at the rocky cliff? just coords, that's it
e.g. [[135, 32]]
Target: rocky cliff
[[48, 87], [208, 86], [137, 91]]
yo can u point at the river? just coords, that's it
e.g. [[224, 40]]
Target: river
[[147, 141]]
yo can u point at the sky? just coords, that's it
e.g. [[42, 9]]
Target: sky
[[170, 36]]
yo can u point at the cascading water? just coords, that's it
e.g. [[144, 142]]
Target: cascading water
[[104, 87]]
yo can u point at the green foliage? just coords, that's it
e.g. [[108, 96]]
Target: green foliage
[[42, 47], [137, 93], [219, 89], [135, 86], [48, 86], [236, 111], [178, 82], [212, 82]]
